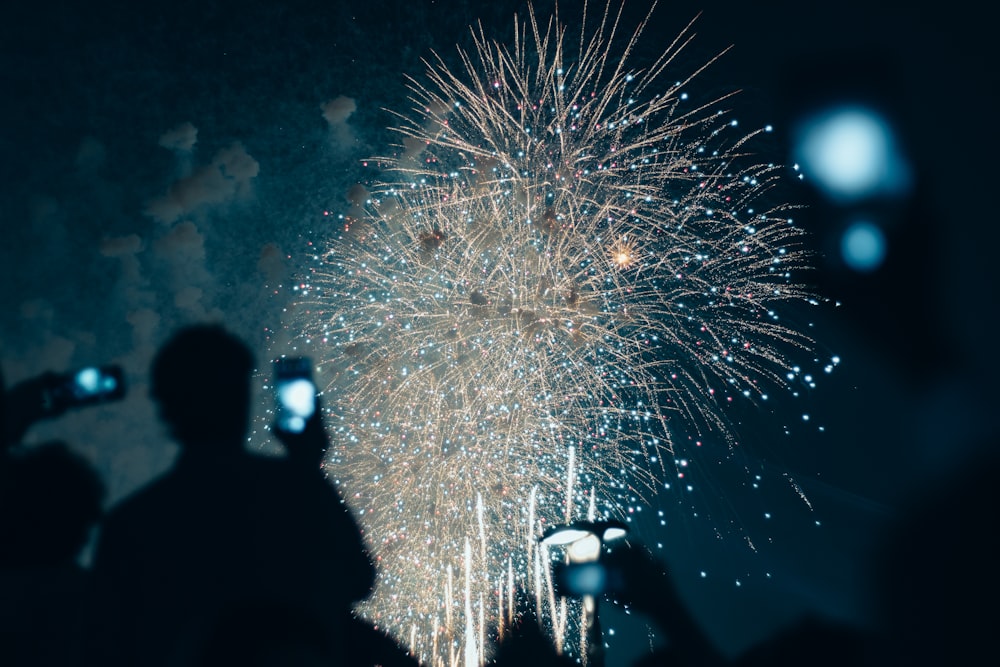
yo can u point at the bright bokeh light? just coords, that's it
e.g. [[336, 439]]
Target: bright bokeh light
[[585, 549], [297, 400], [851, 153], [863, 246], [91, 381], [564, 536], [614, 533], [590, 577], [88, 380]]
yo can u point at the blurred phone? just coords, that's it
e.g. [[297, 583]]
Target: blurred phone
[[583, 579], [294, 393], [86, 386]]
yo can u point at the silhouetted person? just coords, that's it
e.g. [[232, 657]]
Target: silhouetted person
[[223, 529], [50, 499], [270, 634]]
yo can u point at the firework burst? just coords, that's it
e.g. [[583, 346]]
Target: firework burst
[[566, 264]]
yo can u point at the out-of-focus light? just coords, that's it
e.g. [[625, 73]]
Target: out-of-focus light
[[863, 246], [88, 380], [585, 549], [583, 539], [851, 153], [612, 533], [564, 535]]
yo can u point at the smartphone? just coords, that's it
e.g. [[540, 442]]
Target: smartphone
[[586, 579], [86, 386], [294, 393]]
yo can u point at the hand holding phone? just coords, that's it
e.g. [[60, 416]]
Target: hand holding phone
[[86, 386], [298, 425], [51, 394]]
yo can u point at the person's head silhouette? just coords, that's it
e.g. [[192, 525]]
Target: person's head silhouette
[[49, 501], [201, 381]]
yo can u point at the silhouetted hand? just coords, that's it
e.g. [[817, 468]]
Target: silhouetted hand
[[309, 446], [644, 585], [27, 404]]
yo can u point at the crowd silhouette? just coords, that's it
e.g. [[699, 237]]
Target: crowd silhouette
[[235, 558]]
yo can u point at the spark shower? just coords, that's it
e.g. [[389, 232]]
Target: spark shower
[[569, 263]]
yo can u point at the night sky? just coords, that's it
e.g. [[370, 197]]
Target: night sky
[[167, 163]]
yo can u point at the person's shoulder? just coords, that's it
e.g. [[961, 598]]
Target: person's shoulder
[[144, 501], [289, 480]]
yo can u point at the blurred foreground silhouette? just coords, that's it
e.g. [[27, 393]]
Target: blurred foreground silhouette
[[228, 539]]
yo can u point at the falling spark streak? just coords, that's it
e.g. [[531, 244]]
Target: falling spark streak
[[798, 490], [482, 628], [471, 650], [510, 587], [567, 266], [448, 596], [501, 609], [570, 484], [538, 586], [482, 527]]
